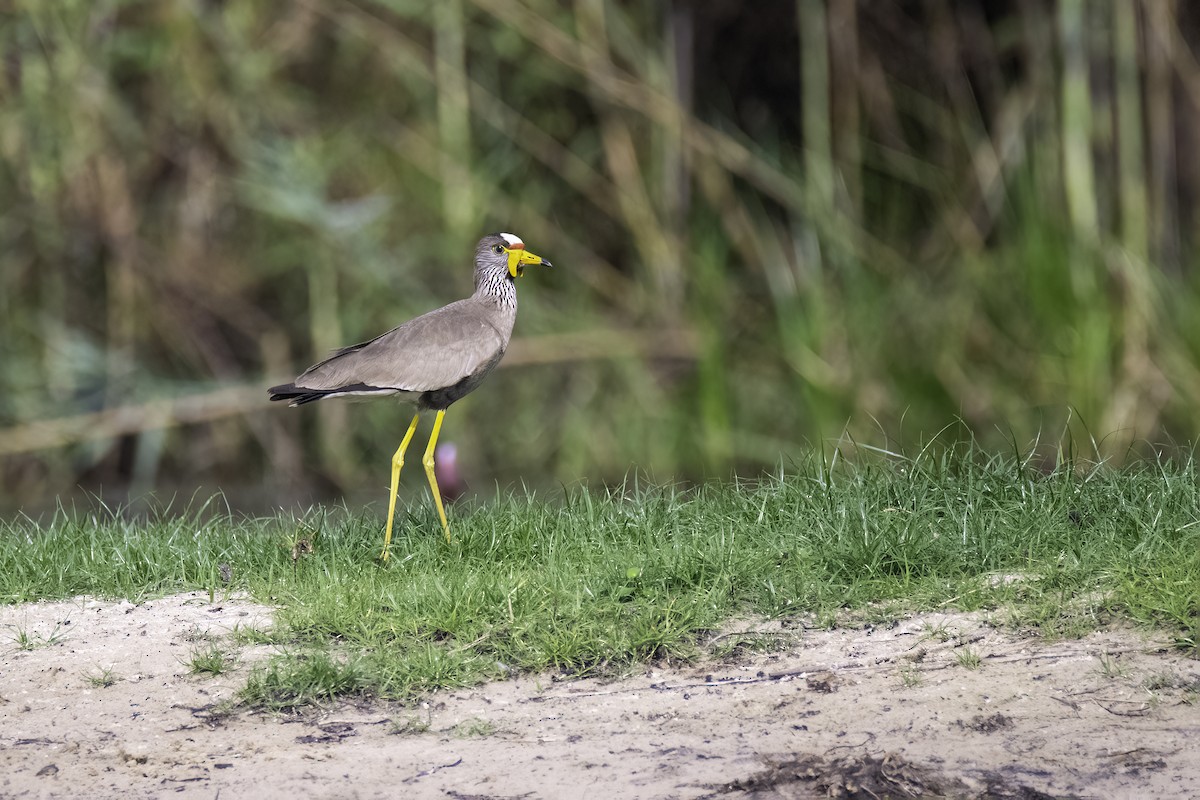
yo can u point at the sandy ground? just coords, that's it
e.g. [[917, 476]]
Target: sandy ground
[[871, 712]]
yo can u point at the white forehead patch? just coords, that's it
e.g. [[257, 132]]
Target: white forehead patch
[[512, 240]]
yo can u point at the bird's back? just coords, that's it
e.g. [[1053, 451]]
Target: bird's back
[[432, 352]]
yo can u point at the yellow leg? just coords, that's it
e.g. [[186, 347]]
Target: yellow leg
[[397, 463], [428, 462]]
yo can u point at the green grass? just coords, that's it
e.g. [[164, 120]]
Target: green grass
[[408, 725], [24, 639], [210, 660], [968, 658], [474, 728], [591, 582], [102, 677], [910, 676]]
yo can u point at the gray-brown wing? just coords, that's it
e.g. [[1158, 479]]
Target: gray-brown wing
[[431, 352]]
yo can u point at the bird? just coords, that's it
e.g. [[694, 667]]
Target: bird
[[430, 361]]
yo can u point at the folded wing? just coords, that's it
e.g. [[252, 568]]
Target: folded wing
[[431, 352]]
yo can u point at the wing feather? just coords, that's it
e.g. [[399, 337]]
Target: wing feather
[[433, 351]]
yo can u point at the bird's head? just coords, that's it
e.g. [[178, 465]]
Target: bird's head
[[504, 250]]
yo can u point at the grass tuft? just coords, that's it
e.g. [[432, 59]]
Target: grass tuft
[[210, 660], [103, 677], [968, 658], [474, 728], [27, 640]]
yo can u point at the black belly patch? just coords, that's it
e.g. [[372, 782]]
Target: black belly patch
[[440, 399]]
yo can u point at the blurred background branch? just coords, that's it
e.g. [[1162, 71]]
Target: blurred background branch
[[776, 224]]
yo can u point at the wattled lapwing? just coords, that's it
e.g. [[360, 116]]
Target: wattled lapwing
[[430, 361]]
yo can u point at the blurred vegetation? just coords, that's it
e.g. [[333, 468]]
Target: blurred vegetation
[[776, 224]]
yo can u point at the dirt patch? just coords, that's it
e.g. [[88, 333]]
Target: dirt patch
[[98, 699], [870, 778]]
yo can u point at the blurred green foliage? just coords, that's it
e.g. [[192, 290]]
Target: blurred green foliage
[[774, 227]]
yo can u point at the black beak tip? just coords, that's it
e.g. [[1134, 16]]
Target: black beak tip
[[546, 263]]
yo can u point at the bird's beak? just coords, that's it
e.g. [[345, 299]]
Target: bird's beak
[[518, 257]]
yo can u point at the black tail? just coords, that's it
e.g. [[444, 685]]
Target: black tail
[[293, 393], [299, 395]]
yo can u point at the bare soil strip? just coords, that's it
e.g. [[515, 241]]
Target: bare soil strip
[[938, 705]]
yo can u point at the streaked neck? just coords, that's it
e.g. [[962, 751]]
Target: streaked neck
[[497, 287]]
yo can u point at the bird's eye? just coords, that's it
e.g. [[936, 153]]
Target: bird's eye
[[497, 249]]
